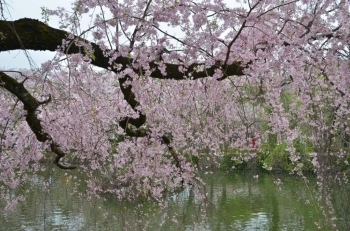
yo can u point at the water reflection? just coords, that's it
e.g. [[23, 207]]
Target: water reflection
[[235, 201]]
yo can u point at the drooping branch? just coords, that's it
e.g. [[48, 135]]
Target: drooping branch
[[129, 97], [167, 139], [30, 105]]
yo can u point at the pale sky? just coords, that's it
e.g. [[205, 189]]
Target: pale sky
[[17, 9]]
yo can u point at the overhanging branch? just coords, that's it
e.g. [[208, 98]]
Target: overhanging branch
[[30, 104], [32, 34]]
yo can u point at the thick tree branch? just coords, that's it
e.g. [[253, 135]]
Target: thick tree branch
[[129, 97], [30, 104], [32, 34]]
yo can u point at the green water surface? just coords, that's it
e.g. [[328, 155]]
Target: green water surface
[[234, 201]]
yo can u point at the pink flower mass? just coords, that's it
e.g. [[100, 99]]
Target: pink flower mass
[[138, 88]]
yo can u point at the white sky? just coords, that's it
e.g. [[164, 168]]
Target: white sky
[[17, 9]]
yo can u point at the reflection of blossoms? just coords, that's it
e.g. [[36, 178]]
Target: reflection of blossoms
[[314, 160], [278, 181], [12, 204]]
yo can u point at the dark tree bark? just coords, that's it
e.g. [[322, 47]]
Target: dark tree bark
[[32, 34]]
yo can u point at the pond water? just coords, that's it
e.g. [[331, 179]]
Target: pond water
[[235, 201]]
